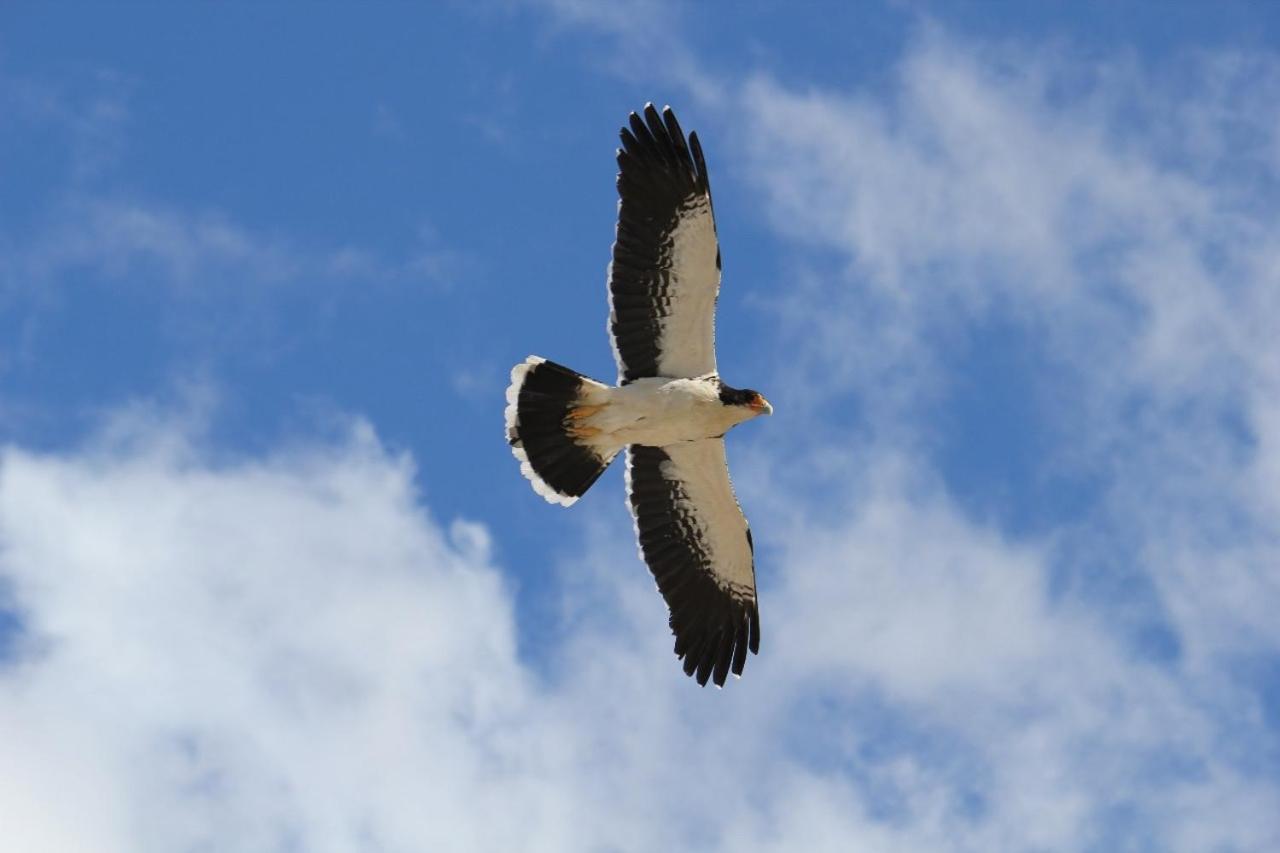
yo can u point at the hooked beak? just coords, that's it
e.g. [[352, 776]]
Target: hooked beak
[[761, 406]]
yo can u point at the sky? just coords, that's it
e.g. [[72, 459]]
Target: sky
[[270, 579]]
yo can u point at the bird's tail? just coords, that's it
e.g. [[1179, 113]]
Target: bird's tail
[[547, 405]]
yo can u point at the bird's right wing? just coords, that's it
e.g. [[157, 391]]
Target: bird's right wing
[[665, 273], [696, 542]]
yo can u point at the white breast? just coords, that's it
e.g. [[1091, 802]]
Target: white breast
[[658, 412]]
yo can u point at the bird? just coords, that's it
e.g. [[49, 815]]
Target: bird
[[669, 410]]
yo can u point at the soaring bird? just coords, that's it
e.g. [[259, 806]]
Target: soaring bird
[[670, 409]]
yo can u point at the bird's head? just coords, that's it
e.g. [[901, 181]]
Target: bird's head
[[752, 401]]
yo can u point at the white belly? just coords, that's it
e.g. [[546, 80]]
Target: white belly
[[659, 411]]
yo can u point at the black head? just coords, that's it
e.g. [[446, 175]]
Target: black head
[[745, 397]]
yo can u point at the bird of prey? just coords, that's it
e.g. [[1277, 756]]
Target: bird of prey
[[670, 409]]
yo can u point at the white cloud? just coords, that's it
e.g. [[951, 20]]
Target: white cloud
[[1133, 255], [235, 654], [288, 650]]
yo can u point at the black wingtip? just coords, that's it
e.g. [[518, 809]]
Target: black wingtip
[[740, 648], [691, 658], [705, 665], [654, 121], [724, 657], [640, 132]]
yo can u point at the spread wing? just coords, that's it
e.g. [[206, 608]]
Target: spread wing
[[696, 542], [665, 272]]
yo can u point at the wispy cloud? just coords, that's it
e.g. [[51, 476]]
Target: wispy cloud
[[142, 241], [89, 124], [138, 241], [113, 233], [1117, 217], [636, 41], [1147, 286]]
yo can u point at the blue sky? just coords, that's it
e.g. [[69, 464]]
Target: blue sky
[[271, 580]]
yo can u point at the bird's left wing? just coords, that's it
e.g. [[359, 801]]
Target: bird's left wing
[[665, 272], [696, 542]]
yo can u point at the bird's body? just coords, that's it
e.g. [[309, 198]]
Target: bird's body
[[656, 411], [670, 410]]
